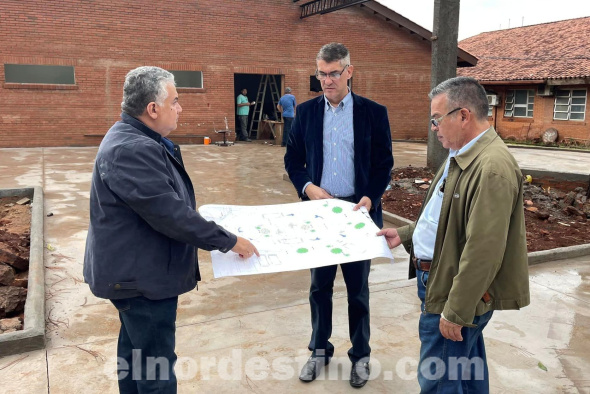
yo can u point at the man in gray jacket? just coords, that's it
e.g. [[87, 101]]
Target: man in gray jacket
[[144, 230]]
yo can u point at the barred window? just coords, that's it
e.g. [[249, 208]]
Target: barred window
[[570, 104], [519, 103]]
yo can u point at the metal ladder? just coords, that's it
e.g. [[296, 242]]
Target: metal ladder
[[265, 81]]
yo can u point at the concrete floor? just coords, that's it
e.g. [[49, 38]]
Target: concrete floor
[[249, 334], [551, 160]]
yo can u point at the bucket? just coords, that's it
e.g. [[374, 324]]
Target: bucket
[[206, 140]]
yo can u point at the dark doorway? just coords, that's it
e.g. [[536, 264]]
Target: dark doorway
[[251, 82]]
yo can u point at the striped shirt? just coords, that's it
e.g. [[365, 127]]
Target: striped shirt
[[338, 171]]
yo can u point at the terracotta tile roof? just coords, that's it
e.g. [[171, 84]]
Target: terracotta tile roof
[[546, 51]]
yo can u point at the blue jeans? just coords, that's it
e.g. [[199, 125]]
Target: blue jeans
[[286, 129], [446, 366], [145, 351]]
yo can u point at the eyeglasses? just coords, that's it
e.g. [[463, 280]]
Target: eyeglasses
[[436, 121], [333, 75]]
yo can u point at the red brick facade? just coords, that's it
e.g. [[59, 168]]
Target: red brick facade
[[532, 128], [104, 39]]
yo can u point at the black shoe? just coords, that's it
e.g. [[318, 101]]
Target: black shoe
[[248, 140], [312, 368], [359, 374]]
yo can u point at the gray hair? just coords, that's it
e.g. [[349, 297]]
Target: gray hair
[[464, 92], [334, 52], [287, 90], [144, 85]]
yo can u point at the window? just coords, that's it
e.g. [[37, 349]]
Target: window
[[188, 79], [42, 74], [519, 103], [570, 104]]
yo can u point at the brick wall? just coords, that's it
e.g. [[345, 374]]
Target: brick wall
[[104, 39], [533, 128]]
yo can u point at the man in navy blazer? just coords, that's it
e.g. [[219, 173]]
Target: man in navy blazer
[[340, 147]]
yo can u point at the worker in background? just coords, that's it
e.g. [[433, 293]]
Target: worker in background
[[286, 107], [243, 110]]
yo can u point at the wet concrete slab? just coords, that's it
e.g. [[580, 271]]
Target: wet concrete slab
[[553, 330], [24, 373], [265, 318], [577, 162]]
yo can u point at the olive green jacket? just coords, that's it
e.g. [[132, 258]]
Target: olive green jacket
[[480, 242]]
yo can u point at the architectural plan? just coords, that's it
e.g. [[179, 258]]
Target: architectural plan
[[296, 236]]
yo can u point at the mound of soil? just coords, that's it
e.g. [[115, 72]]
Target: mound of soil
[[554, 218]]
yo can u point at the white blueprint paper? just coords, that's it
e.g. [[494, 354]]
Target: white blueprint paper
[[296, 236]]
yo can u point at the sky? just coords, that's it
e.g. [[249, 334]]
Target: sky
[[478, 16]]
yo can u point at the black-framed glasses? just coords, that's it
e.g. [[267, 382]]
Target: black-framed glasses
[[333, 75], [436, 121]]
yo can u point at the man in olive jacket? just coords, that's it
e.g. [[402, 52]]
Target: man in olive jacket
[[144, 230], [468, 247]]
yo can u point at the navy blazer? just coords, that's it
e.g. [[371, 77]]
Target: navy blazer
[[373, 158]]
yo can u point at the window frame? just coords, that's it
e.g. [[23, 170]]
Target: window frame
[[190, 88], [570, 98], [510, 101], [19, 82]]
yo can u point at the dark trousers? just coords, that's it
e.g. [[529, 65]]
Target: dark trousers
[[286, 129], [243, 127], [356, 277], [145, 351]]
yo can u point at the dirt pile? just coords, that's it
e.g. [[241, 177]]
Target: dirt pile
[[407, 190], [554, 218], [15, 224]]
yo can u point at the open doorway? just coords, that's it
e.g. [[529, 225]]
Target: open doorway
[[251, 82]]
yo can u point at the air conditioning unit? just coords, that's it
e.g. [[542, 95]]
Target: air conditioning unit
[[493, 100], [545, 90]]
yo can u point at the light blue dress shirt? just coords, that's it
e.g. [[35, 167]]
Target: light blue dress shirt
[[338, 170], [424, 235]]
